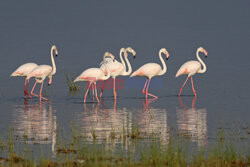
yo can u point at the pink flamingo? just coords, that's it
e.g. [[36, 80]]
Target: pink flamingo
[[23, 71], [192, 67], [116, 68], [92, 75], [43, 71], [150, 70]]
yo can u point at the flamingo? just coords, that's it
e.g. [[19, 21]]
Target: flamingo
[[192, 67], [95, 74], [150, 70], [23, 71], [43, 71], [117, 68]]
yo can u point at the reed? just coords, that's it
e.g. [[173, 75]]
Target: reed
[[73, 87]]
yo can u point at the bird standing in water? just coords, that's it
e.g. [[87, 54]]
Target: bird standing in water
[[116, 68], [192, 67], [150, 70], [43, 71], [92, 75]]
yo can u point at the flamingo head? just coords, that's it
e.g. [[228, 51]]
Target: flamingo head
[[108, 54], [50, 80], [163, 50], [55, 49], [129, 49], [204, 51]]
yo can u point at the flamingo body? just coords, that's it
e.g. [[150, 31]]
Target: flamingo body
[[148, 70], [190, 68], [23, 71], [41, 72], [91, 74], [115, 67]]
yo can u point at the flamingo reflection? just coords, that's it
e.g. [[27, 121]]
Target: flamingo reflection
[[192, 122], [103, 122], [37, 122], [153, 121]]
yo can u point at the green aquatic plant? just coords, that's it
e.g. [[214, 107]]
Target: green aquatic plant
[[73, 87]]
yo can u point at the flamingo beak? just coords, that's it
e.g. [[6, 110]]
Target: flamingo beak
[[134, 56], [56, 55], [167, 56], [50, 81], [205, 52]]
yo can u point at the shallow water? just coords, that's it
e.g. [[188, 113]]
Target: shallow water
[[43, 122]]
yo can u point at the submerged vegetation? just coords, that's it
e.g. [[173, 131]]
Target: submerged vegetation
[[80, 149], [70, 82]]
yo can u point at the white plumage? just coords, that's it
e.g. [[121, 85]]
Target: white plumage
[[43, 71], [192, 67], [150, 70], [116, 68], [94, 74], [23, 71]]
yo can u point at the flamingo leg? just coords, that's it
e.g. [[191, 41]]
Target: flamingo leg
[[143, 91], [96, 93], [183, 86], [40, 95], [33, 90], [93, 91], [181, 103], [27, 87], [147, 91], [115, 94], [104, 82], [90, 83], [193, 86], [193, 102]]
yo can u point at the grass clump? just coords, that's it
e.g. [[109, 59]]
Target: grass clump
[[70, 82]]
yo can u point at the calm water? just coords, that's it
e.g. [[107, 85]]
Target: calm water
[[191, 117], [83, 31]]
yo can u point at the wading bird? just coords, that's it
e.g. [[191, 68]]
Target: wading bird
[[116, 68], [23, 71], [192, 67], [92, 75], [150, 70], [43, 71]]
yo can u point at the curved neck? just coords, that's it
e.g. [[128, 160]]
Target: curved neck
[[122, 50], [129, 65], [164, 70], [204, 69], [53, 62], [105, 77]]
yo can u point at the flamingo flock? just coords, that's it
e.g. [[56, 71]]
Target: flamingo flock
[[110, 67]]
